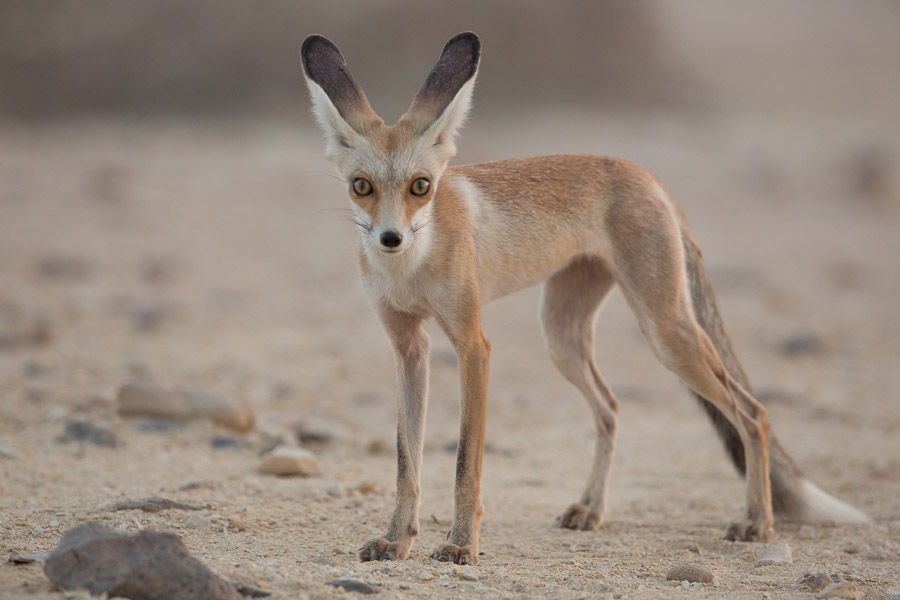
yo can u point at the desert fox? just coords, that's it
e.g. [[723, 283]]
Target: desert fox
[[441, 242]]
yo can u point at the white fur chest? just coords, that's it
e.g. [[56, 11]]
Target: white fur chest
[[400, 281]]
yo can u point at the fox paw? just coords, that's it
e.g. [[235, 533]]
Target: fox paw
[[748, 530], [383, 549], [579, 516], [465, 555]]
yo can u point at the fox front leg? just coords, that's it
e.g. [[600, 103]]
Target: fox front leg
[[411, 347]]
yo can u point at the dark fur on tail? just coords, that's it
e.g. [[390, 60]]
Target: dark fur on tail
[[784, 474]]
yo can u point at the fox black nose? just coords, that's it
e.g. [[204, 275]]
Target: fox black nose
[[391, 239]]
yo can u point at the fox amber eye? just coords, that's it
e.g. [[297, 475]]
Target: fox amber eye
[[361, 187], [420, 187]]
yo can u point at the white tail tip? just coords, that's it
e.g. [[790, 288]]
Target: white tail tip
[[823, 508]]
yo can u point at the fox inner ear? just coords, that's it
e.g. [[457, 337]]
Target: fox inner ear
[[338, 102], [440, 106]]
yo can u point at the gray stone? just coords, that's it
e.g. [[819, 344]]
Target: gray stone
[[153, 505], [145, 566], [352, 585], [816, 582], [774, 555], [85, 431]]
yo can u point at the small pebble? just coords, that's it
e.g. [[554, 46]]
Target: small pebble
[[465, 573], [247, 591], [379, 446], [690, 573], [846, 590], [197, 522], [335, 490], [237, 524], [816, 582], [801, 343], [287, 461], [367, 487], [424, 576], [352, 585], [224, 441], [774, 555], [7, 452], [85, 431], [26, 558], [892, 591], [314, 431], [152, 505]]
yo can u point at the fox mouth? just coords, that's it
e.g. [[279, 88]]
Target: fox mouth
[[390, 250]]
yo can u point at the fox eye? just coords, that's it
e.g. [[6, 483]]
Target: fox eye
[[361, 187], [420, 187]]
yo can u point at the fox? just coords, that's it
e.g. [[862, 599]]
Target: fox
[[438, 241]]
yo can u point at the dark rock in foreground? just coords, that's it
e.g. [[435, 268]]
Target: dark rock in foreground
[[146, 566]]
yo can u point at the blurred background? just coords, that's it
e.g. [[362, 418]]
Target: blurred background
[[167, 214]]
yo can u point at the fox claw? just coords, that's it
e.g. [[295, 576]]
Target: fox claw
[[579, 516]]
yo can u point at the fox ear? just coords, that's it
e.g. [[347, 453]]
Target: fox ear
[[441, 105], [339, 103]]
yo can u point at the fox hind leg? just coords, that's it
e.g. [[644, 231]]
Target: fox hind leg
[[571, 299], [650, 268]]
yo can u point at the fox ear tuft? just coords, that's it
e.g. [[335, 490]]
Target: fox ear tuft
[[441, 105], [339, 103]]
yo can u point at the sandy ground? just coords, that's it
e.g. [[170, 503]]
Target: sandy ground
[[212, 256]]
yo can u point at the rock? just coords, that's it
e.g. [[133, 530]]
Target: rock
[[152, 505], [379, 446], [233, 414], [145, 566], [352, 585], [198, 485], [424, 576], [195, 521], [313, 431], [774, 555], [366, 487], [841, 589], [695, 573], [467, 573], [7, 452], [893, 591], [224, 441], [816, 582], [336, 490], [287, 461], [801, 343], [85, 431], [237, 524], [148, 400], [250, 592], [26, 558]]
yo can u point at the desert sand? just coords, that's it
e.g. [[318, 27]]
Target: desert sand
[[216, 256]]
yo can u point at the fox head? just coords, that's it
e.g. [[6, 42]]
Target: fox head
[[392, 171]]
